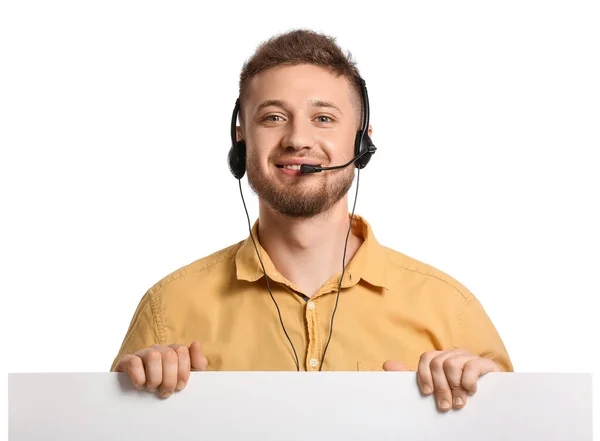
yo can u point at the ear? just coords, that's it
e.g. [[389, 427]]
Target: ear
[[370, 131], [239, 133]]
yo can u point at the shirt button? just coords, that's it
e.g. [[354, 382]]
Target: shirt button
[[311, 306], [314, 362]]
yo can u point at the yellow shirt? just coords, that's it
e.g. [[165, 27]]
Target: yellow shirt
[[391, 307]]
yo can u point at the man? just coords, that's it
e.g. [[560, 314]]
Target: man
[[302, 102]]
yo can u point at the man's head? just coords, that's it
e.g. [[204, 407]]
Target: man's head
[[300, 103]]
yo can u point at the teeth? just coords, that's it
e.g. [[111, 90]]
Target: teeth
[[292, 167]]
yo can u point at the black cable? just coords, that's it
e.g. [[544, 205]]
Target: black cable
[[337, 298], [267, 279], [339, 285]]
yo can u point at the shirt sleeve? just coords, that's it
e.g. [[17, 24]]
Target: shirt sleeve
[[479, 336], [143, 329]]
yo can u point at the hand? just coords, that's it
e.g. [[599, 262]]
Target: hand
[[450, 375], [161, 367]]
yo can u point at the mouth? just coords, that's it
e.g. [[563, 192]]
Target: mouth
[[291, 169], [292, 166]]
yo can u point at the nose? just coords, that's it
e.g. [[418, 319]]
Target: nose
[[298, 135]]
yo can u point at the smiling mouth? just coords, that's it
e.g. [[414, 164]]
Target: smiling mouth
[[290, 167]]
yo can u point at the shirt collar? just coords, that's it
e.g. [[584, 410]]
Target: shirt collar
[[369, 263]]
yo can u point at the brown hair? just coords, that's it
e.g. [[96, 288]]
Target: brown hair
[[301, 46]]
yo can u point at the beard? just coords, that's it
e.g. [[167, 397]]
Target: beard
[[300, 198]]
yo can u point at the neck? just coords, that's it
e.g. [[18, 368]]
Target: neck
[[307, 252]]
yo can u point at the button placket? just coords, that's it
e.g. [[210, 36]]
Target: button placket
[[312, 351]]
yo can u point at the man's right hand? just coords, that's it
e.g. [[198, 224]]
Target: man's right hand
[[163, 368]]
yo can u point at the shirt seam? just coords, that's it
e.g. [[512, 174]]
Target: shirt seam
[[155, 291], [186, 272], [462, 318], [158, 319], [458, 337], [466, 297]]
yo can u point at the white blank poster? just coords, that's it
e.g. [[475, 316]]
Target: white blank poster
[[290, 406]]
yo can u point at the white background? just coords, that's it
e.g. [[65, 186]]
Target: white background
[[114, 132]]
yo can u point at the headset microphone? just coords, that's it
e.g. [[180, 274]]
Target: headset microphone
[[306, 168]]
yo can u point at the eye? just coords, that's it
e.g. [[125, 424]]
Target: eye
[[272, 118], [324, 119]]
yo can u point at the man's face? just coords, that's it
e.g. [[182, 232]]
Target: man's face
[[296, 115]]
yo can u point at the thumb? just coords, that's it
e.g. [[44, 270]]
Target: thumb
[[198, 360], [394, 366]]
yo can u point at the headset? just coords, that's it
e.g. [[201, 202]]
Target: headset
[[363, 151], [363, 145]]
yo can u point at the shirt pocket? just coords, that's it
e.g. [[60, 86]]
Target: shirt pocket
[[364, 365]]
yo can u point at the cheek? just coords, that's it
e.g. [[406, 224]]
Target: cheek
[[261, 146], [256, 156], [261, 141], [338, 145]]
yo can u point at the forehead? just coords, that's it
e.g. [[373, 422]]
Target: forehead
[[299, 85]]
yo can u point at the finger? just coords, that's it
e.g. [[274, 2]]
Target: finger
[[152, 359], [170, 367], [183, 367], [197, 359], [424, 379], [395, 366], [453, 368], [473, 370], [133, 366], [443, 394]]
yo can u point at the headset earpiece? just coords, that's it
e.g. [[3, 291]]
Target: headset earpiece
[[237, 153], [237, 159], [363, 143]]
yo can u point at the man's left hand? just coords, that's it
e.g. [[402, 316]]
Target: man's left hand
[[449, 375]]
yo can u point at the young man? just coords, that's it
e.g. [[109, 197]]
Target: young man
[[302, 101]]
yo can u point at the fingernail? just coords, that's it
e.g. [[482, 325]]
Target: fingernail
[[427, 389], [180, 385], [444, 404], [458, 401], [166, 394]]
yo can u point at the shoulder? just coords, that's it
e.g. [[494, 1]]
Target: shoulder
[[198, 269], [408, 267]]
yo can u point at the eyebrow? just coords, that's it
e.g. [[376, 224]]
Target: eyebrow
[[313, 103]]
